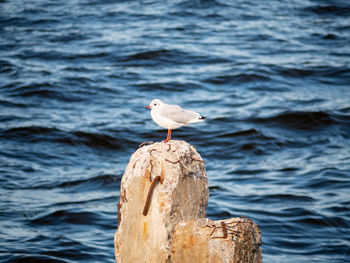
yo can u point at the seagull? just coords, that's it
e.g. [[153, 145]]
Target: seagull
[[172, 116]]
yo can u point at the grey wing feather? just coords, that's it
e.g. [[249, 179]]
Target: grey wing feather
[[178, 114]]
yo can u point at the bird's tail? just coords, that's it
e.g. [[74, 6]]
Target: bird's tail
[[199, 119]]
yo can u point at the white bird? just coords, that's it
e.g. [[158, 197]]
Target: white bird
[[172, 116]]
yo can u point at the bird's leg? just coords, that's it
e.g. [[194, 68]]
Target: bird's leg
[[168, 137]]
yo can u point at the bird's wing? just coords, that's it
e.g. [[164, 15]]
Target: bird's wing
[[178, 114]]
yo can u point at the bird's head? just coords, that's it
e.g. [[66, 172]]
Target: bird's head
[[154, 104]]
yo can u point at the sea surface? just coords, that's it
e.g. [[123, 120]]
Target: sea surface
[[272, 77]]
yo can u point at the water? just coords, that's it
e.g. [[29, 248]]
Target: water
[[271, 76]]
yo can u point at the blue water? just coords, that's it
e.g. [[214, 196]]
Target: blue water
[[272, 77]]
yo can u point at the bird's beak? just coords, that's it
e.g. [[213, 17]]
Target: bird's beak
[[148, 107]]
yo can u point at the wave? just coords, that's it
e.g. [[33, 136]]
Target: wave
[[201, 4], [238, 78], [303, 120], [51, 55], [252, 136], [277, 198], [74, 217], [172, 86], [327, 178], [42, 90], [7, 68], [30, 258], [240, 133], [54, 247], [66, 56], [75, 138], [10, 103], [153, 57], [167, 56], [97, 182], [67, 217], [95, 140], [320, 220], [316, 71], [329, 9]]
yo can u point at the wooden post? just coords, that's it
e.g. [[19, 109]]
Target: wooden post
[[164, 194]]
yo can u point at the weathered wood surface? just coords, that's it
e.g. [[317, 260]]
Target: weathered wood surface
[[161, 214]]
